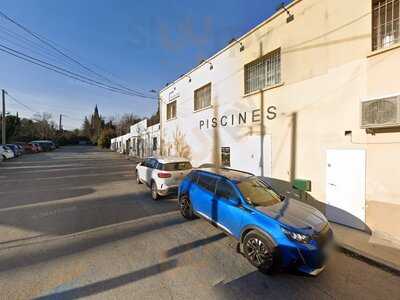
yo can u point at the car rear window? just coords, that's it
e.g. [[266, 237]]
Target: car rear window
[[176, 166]]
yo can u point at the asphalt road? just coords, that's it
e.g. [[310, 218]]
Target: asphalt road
[[74, 224]]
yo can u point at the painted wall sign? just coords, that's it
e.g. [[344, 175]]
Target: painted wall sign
[[173, 95], [226, 156], [241, 118]]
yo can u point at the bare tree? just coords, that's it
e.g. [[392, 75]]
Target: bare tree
[[44, 125], [125, 122]]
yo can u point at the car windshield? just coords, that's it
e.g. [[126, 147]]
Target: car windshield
[[257, 193], [177, 166]]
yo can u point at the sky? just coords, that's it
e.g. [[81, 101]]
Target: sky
[[139, 44]]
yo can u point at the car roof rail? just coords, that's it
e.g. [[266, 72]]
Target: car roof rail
[[236, 170], [208, 170]]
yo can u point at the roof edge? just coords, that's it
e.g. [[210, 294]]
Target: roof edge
[[269, 19]]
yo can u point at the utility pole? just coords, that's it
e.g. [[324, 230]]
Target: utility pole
[[3, 119], [160, 118], [160, 121], [60, 124]]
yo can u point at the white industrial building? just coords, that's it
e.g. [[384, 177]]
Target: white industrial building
[[311, 93], [141, 141]]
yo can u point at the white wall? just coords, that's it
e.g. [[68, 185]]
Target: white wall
[[327, 69]]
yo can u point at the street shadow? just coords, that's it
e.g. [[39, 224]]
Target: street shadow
[[198, 243], [12, 195], [112, 283], [256, 285], [62, 247], [286, 189], [72, 217], [21, 198]]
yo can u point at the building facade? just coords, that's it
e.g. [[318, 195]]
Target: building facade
[[310, 93], [140, 142]]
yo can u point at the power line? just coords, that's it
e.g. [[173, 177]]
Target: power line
[[50, 44], [22, 45], [20, 103], [36, 112], [25, 43], [65, 72]]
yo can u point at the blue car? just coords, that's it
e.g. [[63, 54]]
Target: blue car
[[15, 149], [272, 231]]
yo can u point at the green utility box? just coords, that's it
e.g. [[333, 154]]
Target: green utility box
[[302, 185]]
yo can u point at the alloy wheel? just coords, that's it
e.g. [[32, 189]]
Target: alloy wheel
[[258, 253], [185, 206]]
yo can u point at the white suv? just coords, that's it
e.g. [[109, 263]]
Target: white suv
[[5, 153], [162, 174]]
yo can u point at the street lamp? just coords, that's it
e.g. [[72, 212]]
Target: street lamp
[[290, 17], [211, 65]]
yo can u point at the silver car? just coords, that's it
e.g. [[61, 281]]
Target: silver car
[[162, 174], [6, 152]]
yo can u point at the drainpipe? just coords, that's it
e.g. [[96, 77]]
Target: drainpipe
[[262, 133]]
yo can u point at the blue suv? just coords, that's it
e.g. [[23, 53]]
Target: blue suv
[[272, 230]]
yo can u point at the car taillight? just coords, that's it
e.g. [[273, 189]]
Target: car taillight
[[164, 175]]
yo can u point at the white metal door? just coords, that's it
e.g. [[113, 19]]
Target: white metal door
[[345, 187], [255, 160]]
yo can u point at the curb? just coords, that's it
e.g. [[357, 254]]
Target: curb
[[372, 260]]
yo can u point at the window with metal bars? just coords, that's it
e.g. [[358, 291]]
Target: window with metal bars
[[385, 23], [171, 110], [202, 97], [263, 72]]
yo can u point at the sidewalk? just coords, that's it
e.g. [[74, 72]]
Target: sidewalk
[[359, 243]]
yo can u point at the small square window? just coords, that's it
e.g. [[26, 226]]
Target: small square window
[[171, 110], [202, 97]]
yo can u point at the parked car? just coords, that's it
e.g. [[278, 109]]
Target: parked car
[[38, 147], [272, 231], [6, 153], [45, 145], [31, 148], [17, 151], [162, 174], [21, 147]]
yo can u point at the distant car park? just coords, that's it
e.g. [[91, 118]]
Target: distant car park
[[10, 151]]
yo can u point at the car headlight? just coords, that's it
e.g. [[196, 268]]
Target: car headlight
[[298, 237]]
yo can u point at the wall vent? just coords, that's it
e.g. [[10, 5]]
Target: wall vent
[[378, 113]]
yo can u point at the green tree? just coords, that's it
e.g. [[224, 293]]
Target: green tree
[[96, 126], [106, 135], [86, 128]]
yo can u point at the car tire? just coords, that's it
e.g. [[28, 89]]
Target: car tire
[[154, 192], [185, 207], [137, 178], [260, 252]]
